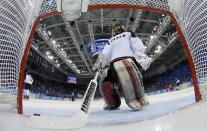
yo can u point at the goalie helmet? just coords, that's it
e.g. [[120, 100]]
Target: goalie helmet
[[117, 28]]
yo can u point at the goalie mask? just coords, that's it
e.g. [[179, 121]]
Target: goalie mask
[[117, 28]]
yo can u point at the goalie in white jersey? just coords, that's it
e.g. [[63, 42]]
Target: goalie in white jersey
[[125, 56]]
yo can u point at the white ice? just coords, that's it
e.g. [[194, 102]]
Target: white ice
[[166, 112]]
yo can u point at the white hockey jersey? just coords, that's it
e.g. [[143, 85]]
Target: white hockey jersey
[[122, 45], [28, 79]]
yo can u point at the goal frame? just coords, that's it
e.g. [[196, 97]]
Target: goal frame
[[105, 6]]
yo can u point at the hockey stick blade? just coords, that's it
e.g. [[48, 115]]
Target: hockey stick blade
[[77, 121]]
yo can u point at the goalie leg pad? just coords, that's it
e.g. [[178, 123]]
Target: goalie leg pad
[[110, 95], [131, 82]]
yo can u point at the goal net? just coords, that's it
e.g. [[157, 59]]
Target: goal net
[[19, 19]]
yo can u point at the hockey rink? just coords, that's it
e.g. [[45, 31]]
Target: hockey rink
[[159, 104], [169, 111]]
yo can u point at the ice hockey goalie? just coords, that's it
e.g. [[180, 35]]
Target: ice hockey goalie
[[125, 57]]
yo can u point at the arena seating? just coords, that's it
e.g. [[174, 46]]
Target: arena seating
[[167, 81]]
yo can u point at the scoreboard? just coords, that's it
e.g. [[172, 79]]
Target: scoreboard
[[97, 46], [71, 79]]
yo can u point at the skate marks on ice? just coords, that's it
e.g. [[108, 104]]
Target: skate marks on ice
[[57, 123], [50, 108], [159, 105], [192, 118], [11, 121], [54, 115], [182, 120]]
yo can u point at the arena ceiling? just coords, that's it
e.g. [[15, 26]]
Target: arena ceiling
[[65, 43]]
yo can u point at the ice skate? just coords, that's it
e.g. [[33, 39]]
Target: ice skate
[[135, 105], [144, 101]]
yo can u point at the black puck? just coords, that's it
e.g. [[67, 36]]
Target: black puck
[[35, 114]]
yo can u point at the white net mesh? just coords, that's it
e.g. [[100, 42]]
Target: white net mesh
[[192, 16], [12, 25], [17, 18], [48, 6]]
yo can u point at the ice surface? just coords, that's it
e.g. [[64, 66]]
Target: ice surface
[[159, 105], [166, 112]]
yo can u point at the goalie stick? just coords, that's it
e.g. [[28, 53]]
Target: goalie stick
[[89, 95]]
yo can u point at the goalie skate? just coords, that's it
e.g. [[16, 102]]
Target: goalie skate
[[143, 101]]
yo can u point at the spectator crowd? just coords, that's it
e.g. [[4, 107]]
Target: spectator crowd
[[169, 81]]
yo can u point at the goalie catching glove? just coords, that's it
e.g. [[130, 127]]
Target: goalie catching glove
[[100, 62]]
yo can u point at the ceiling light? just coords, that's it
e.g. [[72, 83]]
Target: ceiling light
[[152, 36], [30, 3], [47, 53], [158, 49], [53, 41], [51, 57], [49, 32], [69, 61]]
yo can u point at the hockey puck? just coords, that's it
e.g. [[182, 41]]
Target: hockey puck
[[35, 114]]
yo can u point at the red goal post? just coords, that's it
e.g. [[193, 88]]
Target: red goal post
[[19, 21]]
